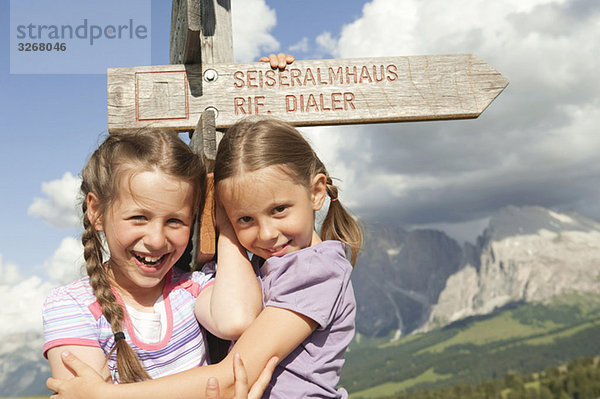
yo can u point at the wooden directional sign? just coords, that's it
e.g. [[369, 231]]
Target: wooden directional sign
[[318, 92]]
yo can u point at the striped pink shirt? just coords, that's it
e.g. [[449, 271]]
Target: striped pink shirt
[[72, 316]]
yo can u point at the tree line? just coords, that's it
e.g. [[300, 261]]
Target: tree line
[[580, 379]]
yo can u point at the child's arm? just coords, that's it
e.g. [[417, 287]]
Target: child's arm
[[275, 332], [94, 357], [69, 325], [242, 391], [241, 381], [230, 305]]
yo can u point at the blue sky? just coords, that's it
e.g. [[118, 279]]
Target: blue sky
[[537, 144], [53, 122]]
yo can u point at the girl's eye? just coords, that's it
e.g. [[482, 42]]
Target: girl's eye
[[245, 219], [138, 218], [279, 209], [175, 222]]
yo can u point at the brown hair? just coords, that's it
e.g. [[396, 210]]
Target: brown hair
[[129, 153], [250, 145]]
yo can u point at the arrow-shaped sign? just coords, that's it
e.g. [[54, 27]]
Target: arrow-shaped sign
[[317, 92]]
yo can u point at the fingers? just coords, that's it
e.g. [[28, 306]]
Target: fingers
[[280, 60], [53, 384], [274, 60], [212, 388], [240, 377], [263, 379]]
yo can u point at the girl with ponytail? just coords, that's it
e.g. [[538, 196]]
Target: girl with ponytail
[[132, 317], [270, 183]]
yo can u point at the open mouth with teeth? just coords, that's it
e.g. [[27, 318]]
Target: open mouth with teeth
[[150, 260]]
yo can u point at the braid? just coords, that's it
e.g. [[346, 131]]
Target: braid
[[128, 364]]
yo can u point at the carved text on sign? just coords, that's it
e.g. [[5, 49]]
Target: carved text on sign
[[297, 103], [295, 77], [308, 77], [318, 92]]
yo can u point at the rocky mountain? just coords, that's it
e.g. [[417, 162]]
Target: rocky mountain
[[399, 276], [526, 254], [23, 370], [409, 281]]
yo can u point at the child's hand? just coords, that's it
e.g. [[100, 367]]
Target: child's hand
[[87, 383], [224, 226], [241, 381], [280, 60]]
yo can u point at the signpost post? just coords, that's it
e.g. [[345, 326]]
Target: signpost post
[[204, 90]]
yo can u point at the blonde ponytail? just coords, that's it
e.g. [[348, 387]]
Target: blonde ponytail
[[340, 225]]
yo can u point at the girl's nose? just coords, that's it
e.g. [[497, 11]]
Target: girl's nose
[[155, 236], [266, 232]]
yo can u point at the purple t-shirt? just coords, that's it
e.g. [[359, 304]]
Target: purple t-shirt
[[314, 282]]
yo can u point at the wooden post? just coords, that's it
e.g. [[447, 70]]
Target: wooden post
[[201, 34], [185, 32], [203, 141]]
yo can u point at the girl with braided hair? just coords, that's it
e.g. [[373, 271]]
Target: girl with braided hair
[[270, 183], [132, 317]]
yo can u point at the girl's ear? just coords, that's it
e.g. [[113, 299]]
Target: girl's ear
[[319, 191], [93, 211]]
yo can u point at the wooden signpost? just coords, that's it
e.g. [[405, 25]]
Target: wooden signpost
[[318, 92], [204, 89]]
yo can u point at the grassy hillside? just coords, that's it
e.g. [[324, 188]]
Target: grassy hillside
[[521, 338], [580, 378]]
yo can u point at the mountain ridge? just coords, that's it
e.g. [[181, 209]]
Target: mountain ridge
[[411, 281]]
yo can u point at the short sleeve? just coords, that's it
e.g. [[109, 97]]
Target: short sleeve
[[204, 278], [311, 284], [193, 282], [68, 321]]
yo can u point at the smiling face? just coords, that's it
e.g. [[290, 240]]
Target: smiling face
[[272, 215], [147, 230]]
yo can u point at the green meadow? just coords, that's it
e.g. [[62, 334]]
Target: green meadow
[[521, 338]]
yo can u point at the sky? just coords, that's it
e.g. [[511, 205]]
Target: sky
[[536, 144]]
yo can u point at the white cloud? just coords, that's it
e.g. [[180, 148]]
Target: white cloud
[[535, 145], [65, 265], [301, 46], [60, 207], [326, 43], [9, 272], [21, 299], [385, 28], [252, 21], [22, 296]]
